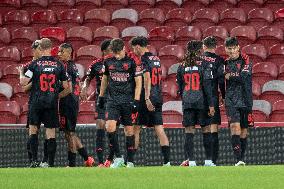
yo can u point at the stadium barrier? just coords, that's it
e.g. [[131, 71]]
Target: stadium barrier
[[265, 146]]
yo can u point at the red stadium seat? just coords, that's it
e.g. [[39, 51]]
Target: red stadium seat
[[269, 36], [264, 72], [151, 18], [219, 32], [169, 90], [10, 110], [24, 113], [133, 31], [42, 19], [222, 5], [245, 34], [79, 36], [123, 18], [8, 5], [276, 54], [113, 5], [56, 34], [167, 5], [86, 54], [106, 32], [69, 18], [205, 18], [161, 36], [9, 55], [186, 33], [279, 18], [194, 5], [249, 5], [10, 75], [27, 55], [34, 5], [15, 19], [256, 90], [224, 117], [273, 91], [256, 52], [274, 5], [59, 5], [261, 110], [177, 18], [277, 111], [20, 95], [23, 37], [260, 17], [171, 54], [6, 91], [97, 18], [140, 5], [87, 112], [5, 37], [220, 50], [152, 49], [172, 71], [281, 73], [1, 20], [172, 112], [232, 18], [86, 5]]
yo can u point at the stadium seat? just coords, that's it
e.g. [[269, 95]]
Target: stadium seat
[[123, 18], [167, 5], [87, 112], [161, 36], [97, 18], [205, 18], [224, 117], [79, 36], [60, 5], [256, 52], [172, 112], [1, 20], [219, 32], [194, 5], [256, 90], [42, 19], [106, 32], [171, 54], [86, 5], [277, 111], [9, 55], [269, 36], [169, 90], [151, 18], [152, 49], [273, 91], [27, 55], [232, 18], [85, 55], [249, 5], [15, 19], [261, 110], [177, 18], [24, 113], [34, 5], [10, 75], [276, 54], [69, 18], [220, 50], [140, 5], [245, 34], [133, 31], [6, 91], [81, 70], [264, 72], [19, 95], [186, 33], [260, 17], [274, 5], [5, 37], [279, 18], [222, 5], [9, 112], [172, 71], [23, 37], [8, 5], [113, 5], [55, 50], [281, 73], [56, 34]]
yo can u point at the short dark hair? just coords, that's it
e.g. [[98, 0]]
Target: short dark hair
[[67, 46], [231, 41], [139, 40], [35, 44], [45, 44], [105, 44], [116, 45], [210, 42], [194, 45]]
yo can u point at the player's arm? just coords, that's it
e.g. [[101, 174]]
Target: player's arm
[[67, 89], [90, 75], [179, 80], [27, 87], [221, 77], [26, 77], [208, 90], [138, 87], [104, 85]]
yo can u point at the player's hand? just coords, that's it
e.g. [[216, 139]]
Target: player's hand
[[227, 76], [135, 105], [221, 101], [83, 94], [101, 102], [211, 111], [150, 106], [20, 69]]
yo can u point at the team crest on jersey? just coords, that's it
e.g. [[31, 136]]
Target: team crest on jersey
[[125, 66]]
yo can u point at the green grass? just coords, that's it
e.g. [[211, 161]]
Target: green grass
[[250, 177]]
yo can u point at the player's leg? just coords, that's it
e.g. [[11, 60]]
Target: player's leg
[[45, 153], [137, 130], [71, 149], [245, 122], [215, 122]]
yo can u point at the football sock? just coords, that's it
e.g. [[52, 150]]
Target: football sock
[[166, 153], [207, 145], [236, 144], [71, 159], [30, 155], [83, 153], [243, 147], [188, 146], [51, 150], [100, 145], [215, 146], [45, 153], [34, 146], [113, 142], [130, 141]]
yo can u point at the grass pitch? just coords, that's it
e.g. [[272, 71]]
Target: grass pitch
[[249, 177]]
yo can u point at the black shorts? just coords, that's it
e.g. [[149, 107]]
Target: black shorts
[[120, 111], [192, 117], [100, 112], [238, 115], [68, 117], [48, 116], [216, 119], [150, 119]]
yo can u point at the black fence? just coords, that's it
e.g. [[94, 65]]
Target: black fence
[[265, 146]]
